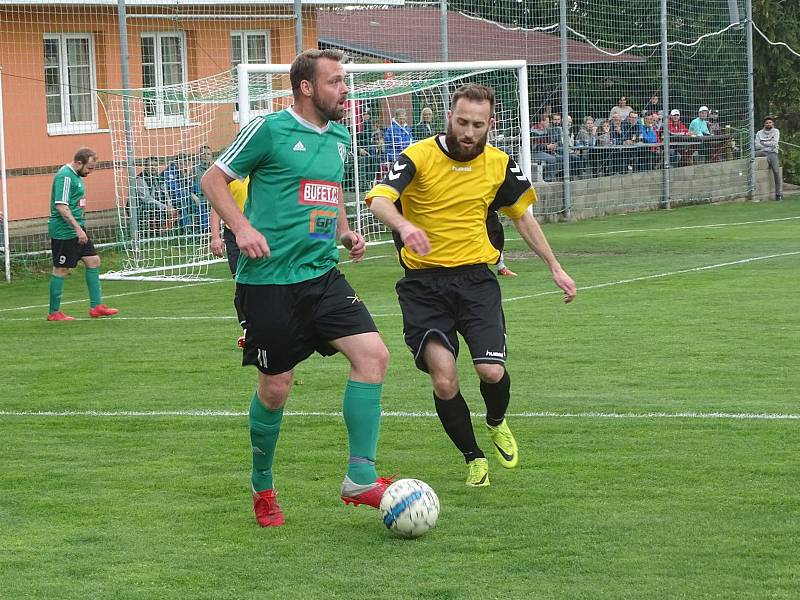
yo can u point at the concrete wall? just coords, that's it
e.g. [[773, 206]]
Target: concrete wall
[[644, 191]]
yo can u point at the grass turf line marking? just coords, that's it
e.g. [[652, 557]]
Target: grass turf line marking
[[710, 226], [660, 275], [409, 415], [548, 293]]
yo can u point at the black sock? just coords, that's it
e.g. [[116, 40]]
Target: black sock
[[454, 415], [496, 397]]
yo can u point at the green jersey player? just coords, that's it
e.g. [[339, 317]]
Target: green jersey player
[[294, 299], [68, 239]]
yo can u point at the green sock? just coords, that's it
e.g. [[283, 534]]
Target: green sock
[[93, 283], [56, 289], [265, 425], [362, 416]]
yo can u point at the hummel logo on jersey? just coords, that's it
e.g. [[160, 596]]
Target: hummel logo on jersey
[[354, 299], [462, 169], [517, 170], [298, 147], [393, 172], [494, 354]]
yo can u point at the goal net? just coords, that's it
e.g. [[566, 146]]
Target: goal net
[[164, 139]]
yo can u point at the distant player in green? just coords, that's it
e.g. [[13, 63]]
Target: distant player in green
[[294, 299], [68, 238]]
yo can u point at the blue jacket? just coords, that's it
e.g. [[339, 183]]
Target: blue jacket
[[648, 134], [397, 139]]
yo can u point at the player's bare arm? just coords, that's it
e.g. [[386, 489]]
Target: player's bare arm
[[350, 239], [66, 214], [533, 235], [217, 245], [215, 187], [413, 237]]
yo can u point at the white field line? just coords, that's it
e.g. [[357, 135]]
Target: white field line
[[512, 299], [709, 226], [408, 415]]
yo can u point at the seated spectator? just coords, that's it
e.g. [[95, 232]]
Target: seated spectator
[[150, 201], [723, 148], [577, 163], [617, 133], [699, 128], [398, 135], [604, 134], [544, 148], [653, 105], [682, 154], [699, 125], [587, 135], [648, 157], [622, 109], [658, 123], [178, 182], [766, 145], [424, 129], [631, 129]]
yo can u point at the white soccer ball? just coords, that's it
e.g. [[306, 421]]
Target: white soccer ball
[[409, 507]]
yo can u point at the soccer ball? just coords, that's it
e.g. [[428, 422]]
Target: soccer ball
[[409, 507]]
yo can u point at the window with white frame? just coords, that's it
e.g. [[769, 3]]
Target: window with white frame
[[69, 75], [252, 47], [164, 78]]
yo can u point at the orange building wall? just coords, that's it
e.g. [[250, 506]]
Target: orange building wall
[[27, 142]]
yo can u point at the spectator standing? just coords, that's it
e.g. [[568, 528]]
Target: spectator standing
[[152, 205], [424, 129], [699, 125], [68, 238], [398, 135], [767, 140], [622, 109], [683, 154], [544, 148], [653, 105]]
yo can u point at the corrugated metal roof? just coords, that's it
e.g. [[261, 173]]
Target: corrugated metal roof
[[412, 35]]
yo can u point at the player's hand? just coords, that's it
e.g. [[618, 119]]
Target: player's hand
[[251, 242], [217, 246], [355, 243], [566, 283], [415, 240], [82, 237]]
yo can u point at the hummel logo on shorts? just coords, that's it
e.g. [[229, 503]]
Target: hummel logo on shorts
[[298, 147]]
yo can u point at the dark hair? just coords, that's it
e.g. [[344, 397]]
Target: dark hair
[[304, 66], [768, 118], [151, 159], [83, 155], [475, 93]]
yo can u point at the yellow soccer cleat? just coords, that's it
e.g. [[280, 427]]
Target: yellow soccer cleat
[[505, 446], [478, 473]]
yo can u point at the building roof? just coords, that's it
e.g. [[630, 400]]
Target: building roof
[[412, 35], [200, 3]]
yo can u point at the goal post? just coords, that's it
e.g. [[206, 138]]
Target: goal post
[[410, 87]]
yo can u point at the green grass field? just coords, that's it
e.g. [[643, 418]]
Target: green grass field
[[657, 418]]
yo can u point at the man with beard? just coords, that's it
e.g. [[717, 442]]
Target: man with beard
[[436, 198], [293, 298], [68, 238]]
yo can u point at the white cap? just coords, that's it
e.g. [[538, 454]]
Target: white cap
[[675, 111], [702, 108]]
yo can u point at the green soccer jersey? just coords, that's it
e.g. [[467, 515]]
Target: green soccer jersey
[[295, 171], [67, 189]]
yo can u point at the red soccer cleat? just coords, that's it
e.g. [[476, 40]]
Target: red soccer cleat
[[240, 341], [59, 316], [268, 511], [506, 272], [369, 494], [101, 310]]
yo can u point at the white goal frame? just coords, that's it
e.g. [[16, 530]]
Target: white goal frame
[[244, 70]]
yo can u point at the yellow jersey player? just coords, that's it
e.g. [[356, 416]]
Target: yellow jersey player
[[436, 198]]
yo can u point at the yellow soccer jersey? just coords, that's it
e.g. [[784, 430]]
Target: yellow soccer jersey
[[239, 192], [449, 200]]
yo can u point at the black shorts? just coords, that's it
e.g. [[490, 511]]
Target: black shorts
[[287, 323], [231, 249], [444, 301], [67, 253]]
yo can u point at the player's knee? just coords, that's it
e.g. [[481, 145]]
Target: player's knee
[[380, 359], [60, 271], [273, 390], [91, 262], [445, 386], [490, 373]]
